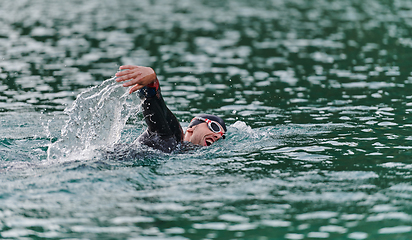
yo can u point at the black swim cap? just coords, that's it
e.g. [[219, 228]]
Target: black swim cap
[[210, 117]]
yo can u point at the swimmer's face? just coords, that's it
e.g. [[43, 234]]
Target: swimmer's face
[[201, 135]]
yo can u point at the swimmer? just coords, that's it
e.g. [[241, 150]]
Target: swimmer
[[164, 131]]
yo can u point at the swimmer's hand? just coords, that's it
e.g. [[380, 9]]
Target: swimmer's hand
[[138, 76]]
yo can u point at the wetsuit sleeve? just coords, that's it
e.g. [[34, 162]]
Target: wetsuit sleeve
[[158, 117]]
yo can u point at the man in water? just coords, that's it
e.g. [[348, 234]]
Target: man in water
[[164, 131]]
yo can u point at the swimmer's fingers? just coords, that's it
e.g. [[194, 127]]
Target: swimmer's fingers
[[142, 79], [130, 71], [135, 88], [134, 72], [127, 67], [133, 81], [127, 75], [136, 76]]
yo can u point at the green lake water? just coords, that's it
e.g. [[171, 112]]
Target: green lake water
[[316, 95]]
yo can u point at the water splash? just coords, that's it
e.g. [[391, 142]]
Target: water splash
[[96, 118]]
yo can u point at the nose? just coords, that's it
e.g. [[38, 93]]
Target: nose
[[217, 136]]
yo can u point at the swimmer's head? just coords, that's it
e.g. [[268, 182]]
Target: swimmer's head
[[205, 129]]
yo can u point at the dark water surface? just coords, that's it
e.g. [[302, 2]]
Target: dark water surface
[[316, 95]]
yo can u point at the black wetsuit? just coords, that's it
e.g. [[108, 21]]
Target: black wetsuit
[[164, 131]]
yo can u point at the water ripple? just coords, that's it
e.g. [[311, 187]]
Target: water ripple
[[315, 95]]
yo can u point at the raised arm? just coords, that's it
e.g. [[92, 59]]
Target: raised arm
[[159, 119]]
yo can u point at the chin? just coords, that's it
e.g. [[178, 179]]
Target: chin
[[202, 143]]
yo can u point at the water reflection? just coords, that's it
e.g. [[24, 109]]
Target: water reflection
[[316, 94]]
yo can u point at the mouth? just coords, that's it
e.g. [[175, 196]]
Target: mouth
[[209, 141]]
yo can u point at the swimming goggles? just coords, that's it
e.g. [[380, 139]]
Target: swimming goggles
[[213, 126]]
